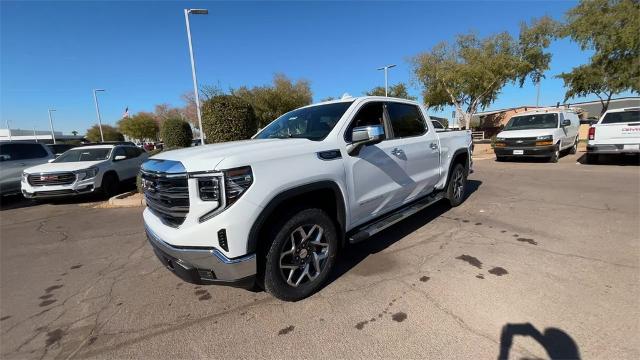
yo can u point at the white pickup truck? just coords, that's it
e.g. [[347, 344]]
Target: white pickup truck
[[617, 132], [274, 211]]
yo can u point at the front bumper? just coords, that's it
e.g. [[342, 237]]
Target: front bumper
[[201, 265], [48, 193], [537, 151], [613, 149]]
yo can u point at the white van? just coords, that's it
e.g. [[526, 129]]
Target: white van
[[539, 133]]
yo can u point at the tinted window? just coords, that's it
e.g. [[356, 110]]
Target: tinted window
[[313, 123], [82, 154], [622, 117], [119, 151], [131, 152], [23, 151], [369, 114], [406, 120]]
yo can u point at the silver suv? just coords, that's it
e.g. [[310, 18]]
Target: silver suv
[[14, 158]]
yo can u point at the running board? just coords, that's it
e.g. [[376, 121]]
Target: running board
[[369, 230]]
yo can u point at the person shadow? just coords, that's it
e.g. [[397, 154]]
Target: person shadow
[[557, 343]]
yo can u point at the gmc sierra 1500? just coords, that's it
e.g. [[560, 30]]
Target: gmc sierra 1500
[[274, 211]]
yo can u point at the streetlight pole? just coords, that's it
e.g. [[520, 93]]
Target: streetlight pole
[[193, 65], [53, 136], [9, 129], [386, 86], [95, 99]]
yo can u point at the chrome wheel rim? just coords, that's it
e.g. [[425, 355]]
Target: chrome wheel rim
[[304, 256], [458, 184]]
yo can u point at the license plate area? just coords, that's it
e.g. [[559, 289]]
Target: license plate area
[[518, 152], [631, 147]]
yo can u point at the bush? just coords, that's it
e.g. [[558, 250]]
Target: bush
[[176, 133], [228, 118], [110, 133]]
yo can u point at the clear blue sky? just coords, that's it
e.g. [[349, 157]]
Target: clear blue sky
[[54, 53]]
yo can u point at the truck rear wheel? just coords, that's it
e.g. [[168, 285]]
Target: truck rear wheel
[[457, 185], [301, 255]]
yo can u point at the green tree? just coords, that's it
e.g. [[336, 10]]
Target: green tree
[[227, 118], [398, 90], [140, 126], [110, 133], [269, 102], [470, 73], [74, 133], [176, 133], [610, 28]]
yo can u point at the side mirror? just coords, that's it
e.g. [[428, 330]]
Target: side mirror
[[365, 135], [119, 157], [4, 157], [566, 122]]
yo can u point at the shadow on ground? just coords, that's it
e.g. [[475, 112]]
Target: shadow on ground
[[618, 160], [557, 343], [352, 255], [17, 201]]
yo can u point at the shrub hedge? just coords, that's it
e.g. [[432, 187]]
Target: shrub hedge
[[176, 133], [228, 118]]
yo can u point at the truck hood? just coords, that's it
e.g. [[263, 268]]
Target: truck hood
[[61, 167], [510, 134], [235, 153]]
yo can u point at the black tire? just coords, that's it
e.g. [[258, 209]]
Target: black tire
[[457, 186], [592, 158], [556, 154], [574, 148], [110, 184], [283, 253]]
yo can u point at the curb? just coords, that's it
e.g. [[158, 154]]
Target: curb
[[128, 199]]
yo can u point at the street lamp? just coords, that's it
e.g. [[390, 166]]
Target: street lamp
[[53, 136], [193, 65], [95, 99], [386, 68]]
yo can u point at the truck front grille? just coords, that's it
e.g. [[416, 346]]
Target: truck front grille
[[64, 178], [167, 195]]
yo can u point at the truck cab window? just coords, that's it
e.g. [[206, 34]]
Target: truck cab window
[[406, 120], [369, 114]]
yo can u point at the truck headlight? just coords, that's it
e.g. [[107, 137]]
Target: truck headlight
[[25, 176], [87, 173], [236, 183], [209, 189]]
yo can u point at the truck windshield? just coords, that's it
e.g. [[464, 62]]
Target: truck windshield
[[535, 121], [75, 155], [313, 123], [621, 117]]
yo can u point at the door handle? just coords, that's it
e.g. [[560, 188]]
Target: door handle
[[433, 146]]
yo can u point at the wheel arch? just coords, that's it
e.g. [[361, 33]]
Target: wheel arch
[[460, 156], [315, 194]]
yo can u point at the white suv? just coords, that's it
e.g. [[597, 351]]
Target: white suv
[[82, 170]]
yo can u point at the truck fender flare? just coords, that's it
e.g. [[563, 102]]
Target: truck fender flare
[[285, 195], [453, 157]]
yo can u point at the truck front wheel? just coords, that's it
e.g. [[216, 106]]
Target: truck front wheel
[[457, 185], [301, 255]]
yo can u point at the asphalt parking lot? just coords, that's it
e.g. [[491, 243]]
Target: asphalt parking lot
[[541, 261]]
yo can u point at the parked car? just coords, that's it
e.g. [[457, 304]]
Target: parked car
[[617, 132], [58, 149], [539, 133], [14, 158], [82, 170], [275, 209]]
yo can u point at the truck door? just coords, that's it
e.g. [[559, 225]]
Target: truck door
[[419, 147], [376, 177]]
